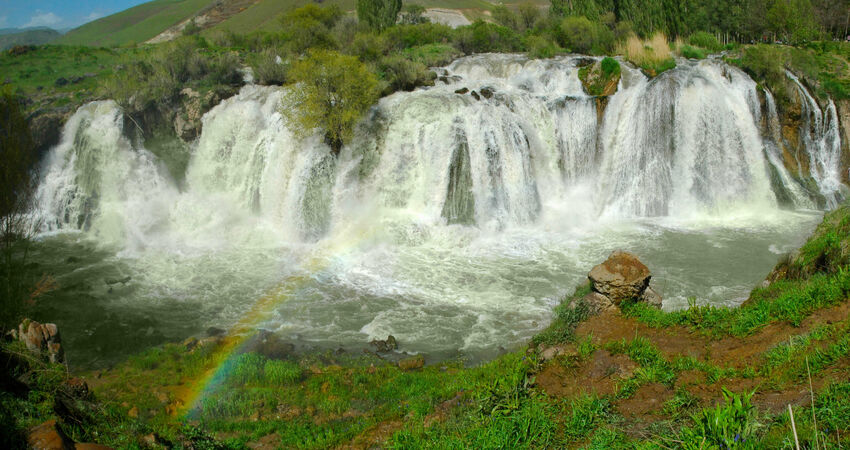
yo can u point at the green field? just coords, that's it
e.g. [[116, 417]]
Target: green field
[[135, 25]]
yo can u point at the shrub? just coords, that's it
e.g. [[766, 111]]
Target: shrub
[[581, 35], [269, 68], [540, 47], [487, 37], [413, 14], [692, 52], [705, 40], [432, 55], [529, 15], [378, 14], [402, 74], [225, 69], [610, 67], [310, 27], [369, 47], [406, 36], [505, 17]]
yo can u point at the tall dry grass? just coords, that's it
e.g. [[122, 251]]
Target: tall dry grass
[[649, 52]]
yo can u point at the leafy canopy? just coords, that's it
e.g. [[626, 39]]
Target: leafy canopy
[[334, 90]]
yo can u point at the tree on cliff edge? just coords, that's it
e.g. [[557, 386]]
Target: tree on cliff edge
[[332, 92], [378, 14]]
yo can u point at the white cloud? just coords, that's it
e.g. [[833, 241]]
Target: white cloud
[[43, 19], [93, 16]]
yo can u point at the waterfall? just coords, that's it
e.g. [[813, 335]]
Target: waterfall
[[501, 141], [821, 142]]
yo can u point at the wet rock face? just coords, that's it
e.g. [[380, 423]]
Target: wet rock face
[[621, 277], [42, 338]]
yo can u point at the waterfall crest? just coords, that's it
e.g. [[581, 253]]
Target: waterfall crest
[[519, 145]]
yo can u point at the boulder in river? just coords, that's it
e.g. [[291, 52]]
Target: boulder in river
[[384, 346], [623, 277]]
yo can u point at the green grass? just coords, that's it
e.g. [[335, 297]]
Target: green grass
[[134, 25]]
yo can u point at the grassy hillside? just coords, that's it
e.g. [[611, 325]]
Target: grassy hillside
[[137, 24], [28, 37]]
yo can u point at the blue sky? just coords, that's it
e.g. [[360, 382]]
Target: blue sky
[[58, 13]]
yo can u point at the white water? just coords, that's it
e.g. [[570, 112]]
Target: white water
[[450, 222]]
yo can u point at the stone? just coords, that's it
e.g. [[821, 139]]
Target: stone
[[385, 346], [555, 351], [621, 277], [475, 95], [652, 298], [461, 90], [43, 339], [269, 345], [412, 363], [77, 388], [48, 436], [487, 92], [61, 81], [215, 331], [596, 303], [133, 413], [90, 446], [190, 343]]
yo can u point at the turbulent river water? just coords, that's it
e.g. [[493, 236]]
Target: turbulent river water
[[454, 224]]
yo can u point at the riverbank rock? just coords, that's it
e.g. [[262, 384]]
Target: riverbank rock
[[621, 277], [48, 436], [412, 363], [42, 338], [384, 346]]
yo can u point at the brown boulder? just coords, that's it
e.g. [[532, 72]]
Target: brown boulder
[[48, 436], [90, 446], [43, 338], [621, 277]]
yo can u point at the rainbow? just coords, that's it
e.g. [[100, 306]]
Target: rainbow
[[191, 394]]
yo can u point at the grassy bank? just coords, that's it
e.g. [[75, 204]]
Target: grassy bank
[[704, 377]]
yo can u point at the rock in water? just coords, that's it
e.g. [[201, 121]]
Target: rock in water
[[621, 277], [385, 346], [652, 298], [43, 338]]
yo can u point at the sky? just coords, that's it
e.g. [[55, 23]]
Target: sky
[[58, 14]]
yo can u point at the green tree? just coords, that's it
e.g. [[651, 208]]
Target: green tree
[[378, 14], [310, 27], [333, 92], [17, 187]]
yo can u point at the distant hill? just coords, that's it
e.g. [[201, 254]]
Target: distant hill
[[10, 37], [162, 20], [135, 25]]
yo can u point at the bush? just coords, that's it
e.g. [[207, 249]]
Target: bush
[[505, 17], [610, 67], [692, 52], [705, 40], [378, 14], [540, 47], [481, 37], [432, 55], [369, 47], [310, 27], [402, 74], [269, 68], [225, 69], [406, 36], [413, 14], [581, 35]]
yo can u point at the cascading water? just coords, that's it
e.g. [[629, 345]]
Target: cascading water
[[821, 141], [456, 220]]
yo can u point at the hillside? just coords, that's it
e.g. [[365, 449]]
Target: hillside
[[162, 20], [31, 36], [134, 25]]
